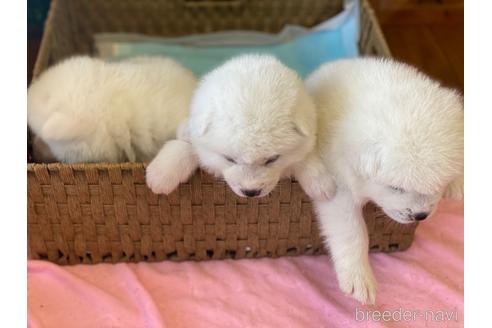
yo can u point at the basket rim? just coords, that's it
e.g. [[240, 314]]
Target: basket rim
[[31, 167]]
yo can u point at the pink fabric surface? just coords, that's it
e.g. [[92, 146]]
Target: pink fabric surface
[[286, 292]]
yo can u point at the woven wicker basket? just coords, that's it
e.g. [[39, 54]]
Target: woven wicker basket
[[90, 213]]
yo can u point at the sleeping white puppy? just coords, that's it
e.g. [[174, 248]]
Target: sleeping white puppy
[[388, 134], [88, 110], [252, 122]]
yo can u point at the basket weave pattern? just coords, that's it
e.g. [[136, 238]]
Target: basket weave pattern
[[86, 214], [91, 213]]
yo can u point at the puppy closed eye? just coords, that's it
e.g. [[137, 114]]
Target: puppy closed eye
[[229, 159], [397, 189], [272, 159]]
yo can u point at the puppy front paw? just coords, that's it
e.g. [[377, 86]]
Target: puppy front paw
[[320, 187], [359, 282], [161, 177], [174, 164]]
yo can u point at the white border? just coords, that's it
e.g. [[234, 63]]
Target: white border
[[13, 285], [478, 163]]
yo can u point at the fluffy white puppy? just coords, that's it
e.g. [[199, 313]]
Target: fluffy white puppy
[[252, 122], [88, 110], [391, 135]]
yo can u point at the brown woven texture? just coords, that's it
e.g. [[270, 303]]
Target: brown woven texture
[[91, 213]]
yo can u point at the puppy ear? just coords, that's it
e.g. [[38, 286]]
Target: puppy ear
[[302, 126], [63, 127], [456, 189], [304, 118]]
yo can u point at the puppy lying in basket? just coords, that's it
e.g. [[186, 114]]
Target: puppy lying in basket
[[252, 122], [87, 110], [388, 134]]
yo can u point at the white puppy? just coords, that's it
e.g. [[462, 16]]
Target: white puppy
[[390, 135], [252, 122], [88, 110]]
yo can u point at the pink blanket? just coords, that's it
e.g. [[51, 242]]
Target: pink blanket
[[422, 287]]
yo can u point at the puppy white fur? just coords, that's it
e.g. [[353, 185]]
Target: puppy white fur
[[388, 134], [252, 122], [88, 110]]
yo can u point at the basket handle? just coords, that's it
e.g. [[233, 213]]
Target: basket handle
[[212, 3]]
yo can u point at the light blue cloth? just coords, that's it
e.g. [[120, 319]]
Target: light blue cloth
[[300, 48]]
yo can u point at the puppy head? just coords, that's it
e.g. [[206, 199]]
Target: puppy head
[[251, 119], [411, 154], [403, 206]]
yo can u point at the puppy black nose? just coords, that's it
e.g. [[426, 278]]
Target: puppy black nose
[[421, 216], [251, 192]]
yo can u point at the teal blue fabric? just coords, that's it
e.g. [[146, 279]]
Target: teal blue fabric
[[36, 15], [303, 53]]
